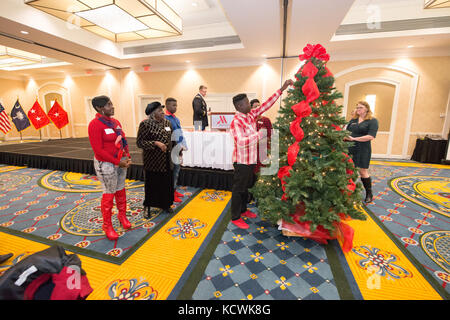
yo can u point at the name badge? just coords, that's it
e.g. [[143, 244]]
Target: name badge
[[109, 131], [167, 128]]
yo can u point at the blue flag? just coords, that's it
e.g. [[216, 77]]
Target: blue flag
[[19, 117]]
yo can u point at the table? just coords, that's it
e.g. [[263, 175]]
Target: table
[[208, 149], [429, 150]]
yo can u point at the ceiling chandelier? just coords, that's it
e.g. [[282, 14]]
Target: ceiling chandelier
[[432, 4], [116, 20]]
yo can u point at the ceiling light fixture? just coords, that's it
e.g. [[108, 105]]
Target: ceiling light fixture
[[410, 46], [10, 57], [24, 32], [433, 4], [116, 20]]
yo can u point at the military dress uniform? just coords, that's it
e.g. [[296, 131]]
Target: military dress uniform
[[200, 111]]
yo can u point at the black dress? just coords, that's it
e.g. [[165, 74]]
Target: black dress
[[361, 152], [158, 166]]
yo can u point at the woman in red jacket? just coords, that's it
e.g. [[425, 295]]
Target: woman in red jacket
[[112, 158]]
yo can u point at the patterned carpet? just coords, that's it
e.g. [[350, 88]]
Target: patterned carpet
[[260, 263], [412, 203], [402, 251], [64, 207]]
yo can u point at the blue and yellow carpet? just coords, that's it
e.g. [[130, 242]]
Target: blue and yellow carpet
[[400, 252]]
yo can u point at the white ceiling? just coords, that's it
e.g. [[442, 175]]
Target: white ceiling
[[257, 23]]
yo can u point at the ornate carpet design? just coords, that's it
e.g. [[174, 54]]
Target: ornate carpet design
[[260, 263], [64, 207], [412, 205]]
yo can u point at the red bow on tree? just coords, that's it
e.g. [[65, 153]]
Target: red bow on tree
[[316, 51]]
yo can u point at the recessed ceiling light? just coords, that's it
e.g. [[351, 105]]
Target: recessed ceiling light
[[24, 32], [188, 61], [194, 4], [264, 55], [410, 46]]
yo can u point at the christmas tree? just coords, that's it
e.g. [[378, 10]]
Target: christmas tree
[[314, 190]]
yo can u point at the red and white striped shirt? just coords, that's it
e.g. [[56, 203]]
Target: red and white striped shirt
[[245, 135]]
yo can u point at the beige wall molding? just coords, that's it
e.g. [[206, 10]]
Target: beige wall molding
[[42, 91], [412, 98], [396, 84]]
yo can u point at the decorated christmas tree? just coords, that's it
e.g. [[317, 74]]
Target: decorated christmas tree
[[315, 189]]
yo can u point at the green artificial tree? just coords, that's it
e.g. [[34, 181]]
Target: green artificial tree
[[316, 177]]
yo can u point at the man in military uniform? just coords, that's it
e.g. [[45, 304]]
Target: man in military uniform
[[200, 109]]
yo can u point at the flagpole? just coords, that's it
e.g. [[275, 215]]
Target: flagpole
[[40, 135], [60, 134], [21, 141]]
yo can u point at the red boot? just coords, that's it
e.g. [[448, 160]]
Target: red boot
[[175, 198], [106, 207], [121, 203], [179, 195]]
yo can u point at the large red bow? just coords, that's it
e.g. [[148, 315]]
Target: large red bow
[[317, 51]]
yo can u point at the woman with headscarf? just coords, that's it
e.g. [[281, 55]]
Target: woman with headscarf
[[111, 160], [154, 138]]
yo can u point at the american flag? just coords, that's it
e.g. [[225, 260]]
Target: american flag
[[5, 125]]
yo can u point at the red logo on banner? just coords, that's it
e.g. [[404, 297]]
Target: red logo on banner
[[223, 120]]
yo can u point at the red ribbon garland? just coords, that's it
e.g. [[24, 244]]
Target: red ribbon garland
[[302, 110]]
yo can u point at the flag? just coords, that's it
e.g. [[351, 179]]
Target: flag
[[19, 117], [5, 125], [37, 116], [58, 115]]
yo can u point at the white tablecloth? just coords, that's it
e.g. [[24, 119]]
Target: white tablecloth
[[208, 149]]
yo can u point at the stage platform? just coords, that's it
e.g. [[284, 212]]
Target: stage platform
[[76, 155]]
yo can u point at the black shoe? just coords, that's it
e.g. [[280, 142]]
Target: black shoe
[[367, 182], [146, 213], [5, 257], [169, 210], [369, 197]]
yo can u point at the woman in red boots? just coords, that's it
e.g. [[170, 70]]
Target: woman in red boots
[[111, 160]]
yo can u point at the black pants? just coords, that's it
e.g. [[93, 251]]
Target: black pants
[[243, 178]]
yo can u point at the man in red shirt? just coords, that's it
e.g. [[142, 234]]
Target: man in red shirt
[[246, 136]]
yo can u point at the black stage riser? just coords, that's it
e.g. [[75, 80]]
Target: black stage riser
[[22, 155]]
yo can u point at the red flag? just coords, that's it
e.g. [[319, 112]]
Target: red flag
[[37, 116], [58, 115]]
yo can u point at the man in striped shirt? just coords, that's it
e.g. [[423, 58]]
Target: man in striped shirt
[[245, 135]]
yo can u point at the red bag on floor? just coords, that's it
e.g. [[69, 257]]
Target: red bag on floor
[[321, 235]]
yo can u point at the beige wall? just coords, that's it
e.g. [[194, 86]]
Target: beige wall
[[124, 87], [383, 105]]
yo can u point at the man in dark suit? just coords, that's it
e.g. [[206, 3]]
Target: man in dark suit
[[200, 109]]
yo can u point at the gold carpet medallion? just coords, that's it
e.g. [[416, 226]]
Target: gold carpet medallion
[[430, 192]]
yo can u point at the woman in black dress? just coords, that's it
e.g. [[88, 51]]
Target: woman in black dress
[[154, 137], [363, 128]]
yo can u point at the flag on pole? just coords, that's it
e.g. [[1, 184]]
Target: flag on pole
[[19, 117], [58, 115], [37, 116], [5, 125]]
